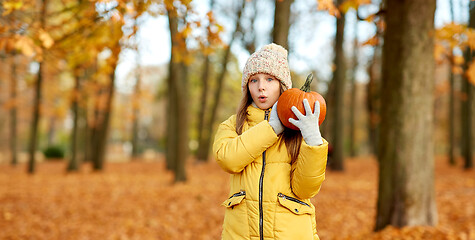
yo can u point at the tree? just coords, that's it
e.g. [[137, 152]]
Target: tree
[[203, 141], [468, 102], [177, 122], [406, 193], [78, 62], [37, 99], [353, 88], [373, 87], [280, 33], [205, 145], [451, 99], [339, 93], [73, 162], [102, 126], [140, 7], [13, 111]]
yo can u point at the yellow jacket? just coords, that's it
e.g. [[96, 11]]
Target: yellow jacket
[[268, 196]]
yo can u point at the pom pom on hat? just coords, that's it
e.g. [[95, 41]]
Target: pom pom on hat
[[270, 59]]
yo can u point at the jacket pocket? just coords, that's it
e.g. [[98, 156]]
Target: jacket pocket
[[294, 205], [236, 222], [235, 199]]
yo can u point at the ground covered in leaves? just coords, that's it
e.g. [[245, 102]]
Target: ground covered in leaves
[[137, 201]]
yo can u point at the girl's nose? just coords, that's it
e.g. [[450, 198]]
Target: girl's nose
[[262, 85]]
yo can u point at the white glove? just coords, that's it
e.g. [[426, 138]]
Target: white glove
[[274, 120], [308, 124]]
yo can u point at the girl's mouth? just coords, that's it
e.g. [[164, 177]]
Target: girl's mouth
[[262, 99]]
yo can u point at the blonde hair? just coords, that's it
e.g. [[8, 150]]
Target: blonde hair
[[291, 138]]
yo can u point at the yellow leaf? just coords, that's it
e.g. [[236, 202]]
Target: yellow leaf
[[344, 7], [457, 70], [7, 216], [327, 5], [10, 6], [471, 73], [372, 41], [370, 18], [25, 45], [46, 39], [363, 2], [458, 60], [471, 38], [187, 31], [439, 52]]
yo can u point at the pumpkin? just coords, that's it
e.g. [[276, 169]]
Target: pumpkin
[[295, 97]]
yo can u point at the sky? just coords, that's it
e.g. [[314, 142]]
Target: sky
[[309, 50]]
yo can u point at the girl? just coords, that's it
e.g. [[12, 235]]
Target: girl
[[274, 173]]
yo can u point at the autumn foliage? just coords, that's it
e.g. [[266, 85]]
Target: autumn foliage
[[137, 201]]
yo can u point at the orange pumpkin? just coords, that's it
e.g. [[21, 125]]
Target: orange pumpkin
[[295, 97]]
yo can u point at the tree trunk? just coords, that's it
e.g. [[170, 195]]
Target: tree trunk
[[136, 100], [36, 117], [468, 102], [374, 99], [13, 112], [353, 90], [280, 33], [73, 161], [37, 100], [136, 111], [451, 99], [451, 116], [202, 153], [406, 194], [89, 129], [171, 117], [183, 124], [339, 79], [177, 125], [102, 127], [93, 130], [219, 86], [52, 131]]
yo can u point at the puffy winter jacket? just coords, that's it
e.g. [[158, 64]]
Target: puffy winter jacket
[[269, 197]]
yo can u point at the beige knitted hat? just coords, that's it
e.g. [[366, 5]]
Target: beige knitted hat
[[270, 59]]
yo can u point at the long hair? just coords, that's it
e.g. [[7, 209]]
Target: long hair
[[291, 138]]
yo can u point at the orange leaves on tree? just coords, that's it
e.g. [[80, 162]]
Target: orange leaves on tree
[[471, 73], [10, 6], [26, 46], [372, 41], [355, 4], [439, 52], [327, 5], [454, 36], [212, 40], [45, 38], [458, 62]]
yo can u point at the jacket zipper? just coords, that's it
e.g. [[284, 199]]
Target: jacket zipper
[[240, 193], [261, 181], [292, 199]]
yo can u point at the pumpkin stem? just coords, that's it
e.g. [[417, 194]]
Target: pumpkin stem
[[306, 86]]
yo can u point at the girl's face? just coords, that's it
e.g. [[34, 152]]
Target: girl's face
[[264, 89]]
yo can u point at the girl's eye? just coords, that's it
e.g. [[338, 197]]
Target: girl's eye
[[270, 79], [253, 80]]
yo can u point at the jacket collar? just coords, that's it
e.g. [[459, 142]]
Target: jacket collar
[[255, 114]]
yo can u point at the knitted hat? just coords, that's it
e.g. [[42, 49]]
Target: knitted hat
[[270, 59]]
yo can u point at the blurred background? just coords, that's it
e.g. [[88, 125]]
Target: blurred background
[[139, 87]]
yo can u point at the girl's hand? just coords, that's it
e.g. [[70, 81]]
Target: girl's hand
[[308, 123], [274, 120]]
